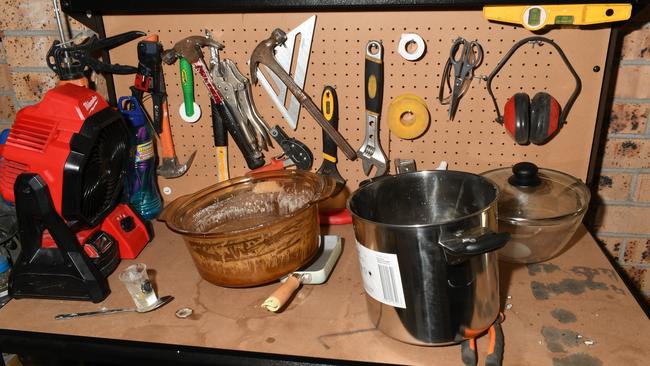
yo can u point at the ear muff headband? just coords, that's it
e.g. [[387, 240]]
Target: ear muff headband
[[515, 47]]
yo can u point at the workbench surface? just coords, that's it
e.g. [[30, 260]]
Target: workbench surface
[[571, 310]]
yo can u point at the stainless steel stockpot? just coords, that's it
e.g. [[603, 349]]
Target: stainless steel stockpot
[[426, 243]]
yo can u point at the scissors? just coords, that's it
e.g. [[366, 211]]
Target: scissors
[[464, 56]]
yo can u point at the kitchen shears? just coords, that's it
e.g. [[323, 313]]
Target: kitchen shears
[[464, 56]]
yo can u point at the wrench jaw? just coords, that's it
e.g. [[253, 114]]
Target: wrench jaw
[[371, 152], [380, 166]]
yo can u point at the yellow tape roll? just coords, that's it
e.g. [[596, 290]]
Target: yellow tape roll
[[408, 116]]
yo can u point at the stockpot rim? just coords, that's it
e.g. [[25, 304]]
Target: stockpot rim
[[491, 204]]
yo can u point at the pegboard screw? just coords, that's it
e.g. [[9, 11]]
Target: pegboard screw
[[596, 68]]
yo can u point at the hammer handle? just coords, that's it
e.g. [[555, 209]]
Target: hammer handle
[[166, 141], [311, 107], [326, 126]]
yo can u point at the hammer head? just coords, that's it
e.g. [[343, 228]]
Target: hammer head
[[263, 53], [189, 48]]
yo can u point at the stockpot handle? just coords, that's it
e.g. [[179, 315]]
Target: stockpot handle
[[460, 248]]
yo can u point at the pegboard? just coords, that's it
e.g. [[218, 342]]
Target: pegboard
[[472, 142]]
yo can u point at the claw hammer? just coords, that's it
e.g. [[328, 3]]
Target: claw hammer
[[150, 79], [263, 54], [190, 49]]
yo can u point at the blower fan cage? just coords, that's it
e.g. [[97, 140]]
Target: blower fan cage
[[100, 177]]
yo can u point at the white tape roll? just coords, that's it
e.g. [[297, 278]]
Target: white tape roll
[[190, 119], [404, 42]]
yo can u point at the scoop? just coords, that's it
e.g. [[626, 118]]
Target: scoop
[[161, 301]]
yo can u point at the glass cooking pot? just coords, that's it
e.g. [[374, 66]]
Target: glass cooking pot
[[540, 208], [251, 230]]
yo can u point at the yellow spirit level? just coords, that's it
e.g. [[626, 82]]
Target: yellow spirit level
[[535, 17]]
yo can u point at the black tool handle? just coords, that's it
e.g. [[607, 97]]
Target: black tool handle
[[218, 130], [468, 352], [495, 355], [374, 77], [158, 100], [254, 159], [330, 109]]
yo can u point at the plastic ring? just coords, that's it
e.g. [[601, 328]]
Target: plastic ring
[[405, 40], [190, 119], [408, 116]]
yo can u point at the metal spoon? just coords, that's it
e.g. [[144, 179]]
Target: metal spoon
[[161, 301]]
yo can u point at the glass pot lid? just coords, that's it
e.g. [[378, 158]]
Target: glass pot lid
[[531, 193]]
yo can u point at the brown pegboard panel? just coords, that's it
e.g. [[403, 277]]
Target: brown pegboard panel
[[472, 142]]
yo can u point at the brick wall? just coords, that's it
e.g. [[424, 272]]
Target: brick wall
[[27, 29], [622, 202]]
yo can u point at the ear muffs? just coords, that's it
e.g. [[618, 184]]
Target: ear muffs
[[538, 120], [516, 117], [544, 118]]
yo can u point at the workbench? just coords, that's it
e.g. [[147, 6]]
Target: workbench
[[571, 310]]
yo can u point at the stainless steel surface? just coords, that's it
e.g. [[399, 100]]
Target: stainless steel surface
[[405, 166], [161, 301], [370, 152], [447, 298]]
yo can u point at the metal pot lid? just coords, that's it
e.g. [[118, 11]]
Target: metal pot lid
[[531, 193]]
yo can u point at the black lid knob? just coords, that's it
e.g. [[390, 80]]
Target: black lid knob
[[524, 175]]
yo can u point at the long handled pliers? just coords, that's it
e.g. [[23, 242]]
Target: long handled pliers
[[495, 349]]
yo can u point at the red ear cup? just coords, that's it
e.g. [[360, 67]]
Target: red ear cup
[[516, 117], [544, 118]]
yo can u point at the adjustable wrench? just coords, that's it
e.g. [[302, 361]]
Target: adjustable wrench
[[371, 152]]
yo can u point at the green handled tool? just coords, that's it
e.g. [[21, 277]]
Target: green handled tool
[[189, 110]]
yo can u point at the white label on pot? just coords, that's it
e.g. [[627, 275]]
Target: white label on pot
[[381, 276]]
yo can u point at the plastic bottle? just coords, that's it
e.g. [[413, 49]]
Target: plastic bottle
[[5, 270], [141, 178]]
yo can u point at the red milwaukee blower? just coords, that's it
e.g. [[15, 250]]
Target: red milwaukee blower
[[64, 165]]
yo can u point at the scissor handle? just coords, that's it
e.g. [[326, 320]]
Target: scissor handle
[[474, 52], [457, 51]]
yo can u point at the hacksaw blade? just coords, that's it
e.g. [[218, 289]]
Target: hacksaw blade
[[284, 57]]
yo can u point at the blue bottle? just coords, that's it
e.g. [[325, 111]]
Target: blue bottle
[[141, 178]]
